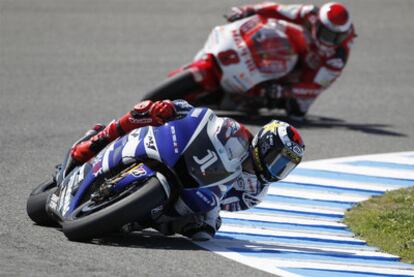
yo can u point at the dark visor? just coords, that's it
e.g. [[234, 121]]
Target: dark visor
[[327, 36], [279, 165]]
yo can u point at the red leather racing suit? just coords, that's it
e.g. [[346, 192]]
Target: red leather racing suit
[[317, 68]]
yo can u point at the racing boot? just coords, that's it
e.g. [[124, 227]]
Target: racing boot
[[69, 163], [145, 113], [197, 227], [205, 227]]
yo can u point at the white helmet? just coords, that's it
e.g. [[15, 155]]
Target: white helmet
[[334, 24]]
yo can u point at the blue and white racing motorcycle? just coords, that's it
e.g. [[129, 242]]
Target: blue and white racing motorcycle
[[137, 178]]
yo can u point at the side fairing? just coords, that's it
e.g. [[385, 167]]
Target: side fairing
[[164, 143], [194, 138], [203, 161]]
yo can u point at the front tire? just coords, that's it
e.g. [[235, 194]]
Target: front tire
[[134, 207], [176, 87], [36, 204]]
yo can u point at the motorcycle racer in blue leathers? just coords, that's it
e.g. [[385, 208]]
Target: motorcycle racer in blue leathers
[[251, 162]]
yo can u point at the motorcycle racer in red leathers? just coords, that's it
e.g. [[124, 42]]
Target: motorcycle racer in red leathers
[[267, 157], [269, 55], [331, 32]]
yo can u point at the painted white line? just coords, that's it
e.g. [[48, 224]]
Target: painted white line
[[272, 233], [305, 208], [321, 218], [331, 182], [282, 219], [394, 157], [377, 268], [322, 195], [363, 170]]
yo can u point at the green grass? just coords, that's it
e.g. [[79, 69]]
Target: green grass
[[387, 222]]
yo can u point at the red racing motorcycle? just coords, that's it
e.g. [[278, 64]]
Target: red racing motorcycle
[[237, 57]]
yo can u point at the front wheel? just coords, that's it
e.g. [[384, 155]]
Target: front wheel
[[36, 204], [92, 220], [176, 87]]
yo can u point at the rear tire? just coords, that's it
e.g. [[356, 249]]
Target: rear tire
[[36, 204], [134, 207]]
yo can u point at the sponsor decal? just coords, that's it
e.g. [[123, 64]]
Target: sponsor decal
[[137, 171], [244, 51], [150, 143], [174, 139], [144, 120]]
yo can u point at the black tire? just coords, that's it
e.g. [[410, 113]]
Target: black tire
[[136, 206], [176, 87], [36, 204]]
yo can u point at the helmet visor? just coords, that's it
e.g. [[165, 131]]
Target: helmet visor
[[279, 167], [329, 37]]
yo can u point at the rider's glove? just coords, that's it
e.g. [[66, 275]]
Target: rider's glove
[[157, 112], [237, 13], [144, 113]]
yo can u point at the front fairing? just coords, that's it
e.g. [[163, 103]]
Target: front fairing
[[250, 51], [270, 48]]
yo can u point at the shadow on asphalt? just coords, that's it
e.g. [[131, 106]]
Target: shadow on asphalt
[[154, 240], [314, 122], [147, 239]]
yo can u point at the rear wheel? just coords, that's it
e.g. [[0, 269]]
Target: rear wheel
[[92, 220], [36, 204]]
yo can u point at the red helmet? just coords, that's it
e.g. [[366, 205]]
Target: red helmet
[[334, 24]]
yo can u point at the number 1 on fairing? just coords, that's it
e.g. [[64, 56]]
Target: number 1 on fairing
[[206, 161]]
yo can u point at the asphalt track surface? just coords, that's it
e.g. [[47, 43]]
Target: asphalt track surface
[[65, 65]]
